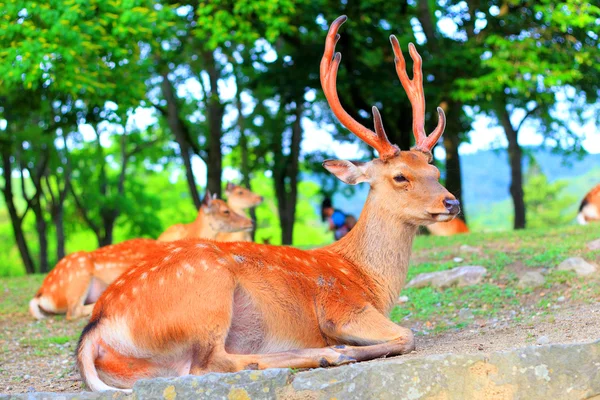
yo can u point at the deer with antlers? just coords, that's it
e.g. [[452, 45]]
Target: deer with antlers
[[214, 217], [223, 306], [78, 280], [239, 199]]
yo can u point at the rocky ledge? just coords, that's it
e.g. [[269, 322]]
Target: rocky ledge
[[570, 371]]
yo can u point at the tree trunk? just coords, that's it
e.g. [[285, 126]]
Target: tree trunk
[[515, 156], [179, 130], [453, 171], [215, 111], [59, 224], [289, 197], [243, 143], [42, 230], [15, 219]]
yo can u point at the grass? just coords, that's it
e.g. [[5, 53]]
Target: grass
[[506, 255]]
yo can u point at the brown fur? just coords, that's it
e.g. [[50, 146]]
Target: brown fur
[[206, 306], [589, 210], [449, 228], [213, 218], [239, 199]]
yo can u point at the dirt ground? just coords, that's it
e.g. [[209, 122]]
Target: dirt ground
[[44, 366], [494, 315]]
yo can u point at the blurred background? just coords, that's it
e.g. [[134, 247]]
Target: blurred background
[[116, 115]]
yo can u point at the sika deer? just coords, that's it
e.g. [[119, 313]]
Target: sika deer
[[239, 199], [79, 279], [214, 217], [215, 306], [589, 209]]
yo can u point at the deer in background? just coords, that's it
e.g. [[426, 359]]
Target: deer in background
[[239, 199], [449, 228], [589, 209], [277, 306], [78, 280], [214, 217]]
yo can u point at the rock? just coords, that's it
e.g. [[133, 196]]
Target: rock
[[531, 279], [561, 299], [577, 264], [458, 259], [402, 299], [543, 340], [465, 248], [459, 276], [593, 245], [565, 372], [465, 313]]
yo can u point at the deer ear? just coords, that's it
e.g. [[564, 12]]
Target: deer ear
[[229, 187], [208, 198], [351, 172]]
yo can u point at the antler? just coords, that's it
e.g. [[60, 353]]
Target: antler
[[329, 66], [414, 90]]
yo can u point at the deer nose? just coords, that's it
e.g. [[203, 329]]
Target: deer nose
[[452, 205]]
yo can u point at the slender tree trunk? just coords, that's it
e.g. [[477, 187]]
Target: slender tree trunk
[[42, 231], [107, 237], [293, 171], [515, 156], [216, 111], [15, 219], [59, 224], [453, 170], [243, 143], [179, 130]]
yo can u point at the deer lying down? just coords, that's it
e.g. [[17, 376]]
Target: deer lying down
[[589, 210], [78, 280], [239, 199], [214, 217], [449, 228], [228, 306]]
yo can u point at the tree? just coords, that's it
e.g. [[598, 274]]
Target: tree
[[528, 53]]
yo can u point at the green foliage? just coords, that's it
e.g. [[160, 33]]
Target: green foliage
[[547, 205], [89, 49]]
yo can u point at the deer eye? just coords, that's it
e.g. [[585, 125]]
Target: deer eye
[[226, 212], [400, 179], [240, 192]]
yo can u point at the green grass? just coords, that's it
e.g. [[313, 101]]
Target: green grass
[[505, 255]]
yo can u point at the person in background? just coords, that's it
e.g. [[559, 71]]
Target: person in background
[[339, 222]]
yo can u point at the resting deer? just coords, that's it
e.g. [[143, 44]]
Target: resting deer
[[224, 307], [214, 217], [448, 228], [589, 210], [239, 199], [78, 280]]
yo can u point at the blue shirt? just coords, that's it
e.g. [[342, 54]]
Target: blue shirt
[[338, 218]]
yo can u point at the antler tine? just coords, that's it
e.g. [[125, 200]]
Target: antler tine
[[414, 90], [329, 67]]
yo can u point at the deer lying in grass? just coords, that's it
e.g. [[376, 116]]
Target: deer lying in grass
[[214, 217], [448, 228], [221, 306], [589, 210], [78, 280], [239, 199]]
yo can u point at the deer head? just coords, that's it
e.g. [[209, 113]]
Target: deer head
[[239, 198], [221, 218], [404, 183]]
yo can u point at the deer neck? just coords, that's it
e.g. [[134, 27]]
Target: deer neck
[[201, 228], [237, 209], [380, 246]]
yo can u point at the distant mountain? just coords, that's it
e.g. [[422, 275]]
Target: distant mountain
[[486, 178]]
